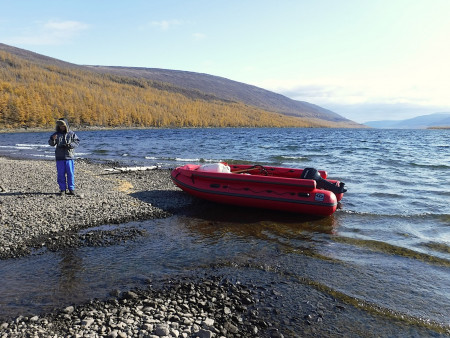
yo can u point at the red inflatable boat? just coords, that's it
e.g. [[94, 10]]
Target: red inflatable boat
[[306, 191]]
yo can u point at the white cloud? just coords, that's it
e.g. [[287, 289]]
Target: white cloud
[[375, 112], [166, 24], [65, 27], [199, 36], [49, 33], [373, 89], [373, 98]]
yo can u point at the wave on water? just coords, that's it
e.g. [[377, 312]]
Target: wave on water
[[24, 146], [439, 247], [236, 161], [16, 147], [382, 310], [180, 159], [432, 166], [286, 158], [445, 218], [27, 150], [373, 307], [33, 145], [396, 250], [387, 195]]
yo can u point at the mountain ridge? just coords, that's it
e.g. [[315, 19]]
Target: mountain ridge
[[194, 86], [419, 122], [228, 89]]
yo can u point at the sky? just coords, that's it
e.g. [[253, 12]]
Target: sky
[[366, 60]]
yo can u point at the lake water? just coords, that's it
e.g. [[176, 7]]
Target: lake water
[[386, 250]]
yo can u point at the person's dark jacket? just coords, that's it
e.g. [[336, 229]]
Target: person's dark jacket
[[66, 141]]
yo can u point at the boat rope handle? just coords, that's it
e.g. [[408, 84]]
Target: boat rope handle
[[260, 167]]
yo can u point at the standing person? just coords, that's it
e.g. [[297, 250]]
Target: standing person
[[65, 141]]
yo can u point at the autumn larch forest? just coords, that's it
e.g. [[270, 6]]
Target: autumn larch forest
[[33, 95]]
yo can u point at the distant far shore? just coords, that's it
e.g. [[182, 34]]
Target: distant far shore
[[94, 128], [88, 128]]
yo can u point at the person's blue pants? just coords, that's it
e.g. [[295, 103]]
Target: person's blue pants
[[65, 168]]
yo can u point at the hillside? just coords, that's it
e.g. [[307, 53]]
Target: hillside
[[420, 122], [36, 89], [228, 90]]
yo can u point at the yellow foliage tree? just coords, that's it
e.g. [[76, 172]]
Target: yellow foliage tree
[[34, 95]]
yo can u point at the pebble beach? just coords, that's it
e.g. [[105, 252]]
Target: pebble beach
[[35, 216]]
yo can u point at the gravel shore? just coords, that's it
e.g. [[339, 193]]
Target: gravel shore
[[34, 216], [182, 308]]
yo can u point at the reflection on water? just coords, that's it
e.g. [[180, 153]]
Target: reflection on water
[[248, 244], [210, 218]]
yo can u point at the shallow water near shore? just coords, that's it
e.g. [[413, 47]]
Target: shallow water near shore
[[288, 253], [384, 254]]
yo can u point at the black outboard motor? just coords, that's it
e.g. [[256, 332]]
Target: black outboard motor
[[313, 174]]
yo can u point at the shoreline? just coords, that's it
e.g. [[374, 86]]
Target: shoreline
[[202, 303], [54, 222], [99, 128], [50, 130], [30, 185]]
